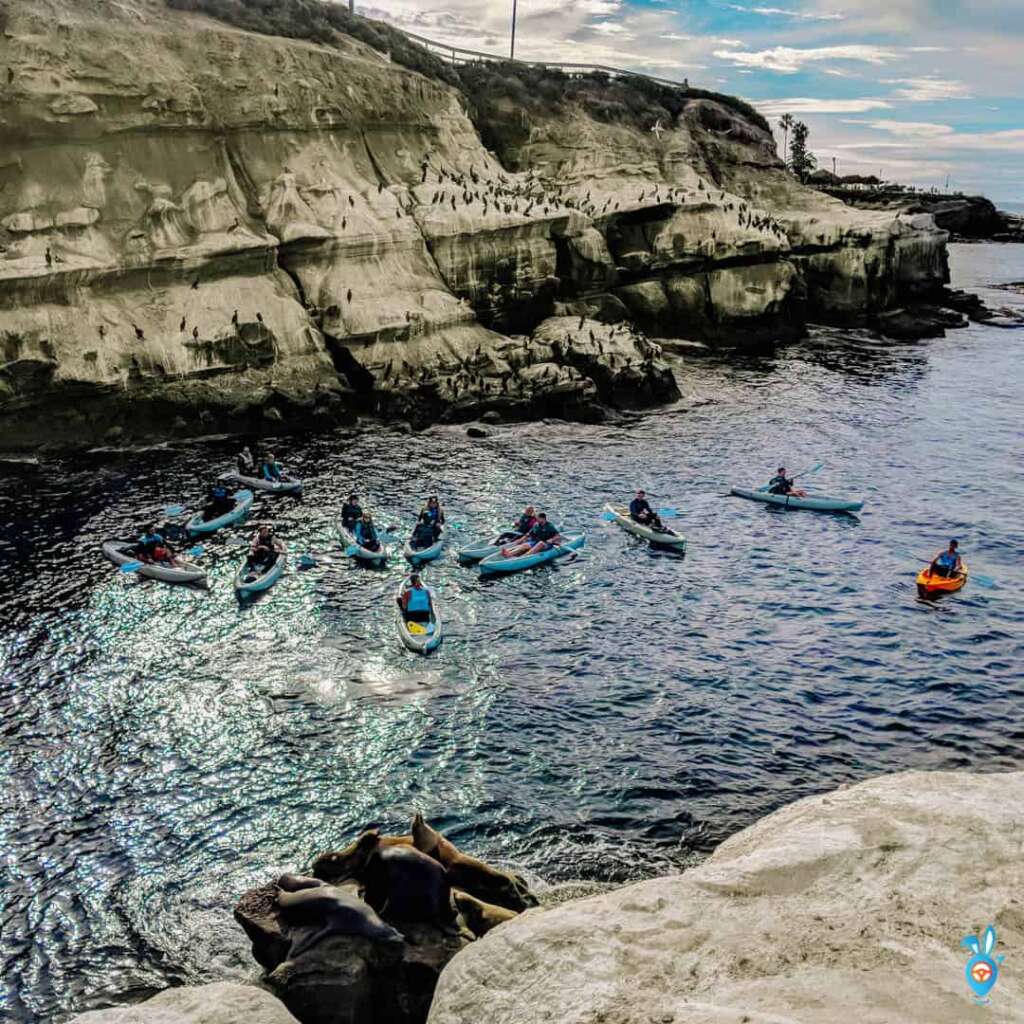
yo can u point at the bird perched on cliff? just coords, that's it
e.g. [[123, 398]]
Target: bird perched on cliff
[[139, 333], [349, 295], [195, 333], [195, 284], [49, 257], [344, 223], [259, 317], [351, 201], [181, 326], [102, 331], [235, 226], [234, 319]]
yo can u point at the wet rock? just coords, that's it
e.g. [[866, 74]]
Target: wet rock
[[477, 432], [917, 323], [220, 1003], [491, 416], [113, 434]]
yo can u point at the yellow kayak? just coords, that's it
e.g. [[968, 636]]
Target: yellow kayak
[[929, 585]]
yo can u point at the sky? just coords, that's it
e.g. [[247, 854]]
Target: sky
[[919, 90]]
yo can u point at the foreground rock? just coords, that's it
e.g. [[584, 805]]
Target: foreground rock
[[220, 1003], [365, 940], [844, 907]]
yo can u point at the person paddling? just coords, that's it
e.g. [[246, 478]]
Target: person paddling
[[150, 541], [366, 533], [641, 512], [542, 536], [425, 534], [264, 549], [246, 462], [522, 526], [219, 503], [781, 484], [415, 600], [433, 511], [351, 512], [270, 470], [947, 563]]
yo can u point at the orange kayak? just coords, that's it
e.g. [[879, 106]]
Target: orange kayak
[[932, 586]]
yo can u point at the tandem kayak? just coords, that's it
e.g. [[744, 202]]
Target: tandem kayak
[[286, 485], [481, 549], [666, 537], [499, 563], [243, 502], [420, 637], [788, 501], [418, 555], [929, 585], [251, 580], [120, 552], [348, 541]]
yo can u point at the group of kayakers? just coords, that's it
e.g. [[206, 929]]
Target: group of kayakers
[[263, 467]]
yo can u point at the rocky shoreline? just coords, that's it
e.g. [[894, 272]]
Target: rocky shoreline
[[190, 245], [846, 905]]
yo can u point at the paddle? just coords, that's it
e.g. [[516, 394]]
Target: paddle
[[197, 551], [130, 567], [808, 472], [171, 511]]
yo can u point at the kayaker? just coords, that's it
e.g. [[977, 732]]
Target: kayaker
[[947, 563], [149, 540], [641, 512], [542, 536], [433, 511], [366, 533], [219, 503], [270, 470], [351, 512], [415, 600], [246, 462], [425, 534], [264, 549], [523, 525], [781, 484]]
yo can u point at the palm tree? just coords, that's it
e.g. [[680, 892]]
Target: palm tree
[[785, 123]]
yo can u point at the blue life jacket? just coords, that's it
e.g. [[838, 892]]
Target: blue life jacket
[[433, 514], [364, 533], [419, 600], [271, 472], [149, 540], [218, 493], [947, 560]]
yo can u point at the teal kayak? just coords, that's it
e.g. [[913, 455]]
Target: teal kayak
[[480, 550], [249, 580], [822, 504], [499, 563], [197, 524]]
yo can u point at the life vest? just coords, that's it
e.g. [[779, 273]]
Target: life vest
[[433, 514], [526, 523], [365, 534], [947, 560], [419, 600]]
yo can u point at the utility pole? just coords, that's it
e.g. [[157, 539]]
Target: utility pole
[[351, 6], [834, 167], [512, 48]]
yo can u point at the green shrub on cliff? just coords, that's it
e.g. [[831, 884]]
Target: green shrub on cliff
[[502, 96]]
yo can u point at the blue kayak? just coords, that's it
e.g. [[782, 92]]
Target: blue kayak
[[499, 563], [249, 580], [198, 525], [822, 504], [418, 555]]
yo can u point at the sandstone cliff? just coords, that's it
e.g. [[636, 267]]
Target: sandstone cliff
[[201, 226], [845, 907]]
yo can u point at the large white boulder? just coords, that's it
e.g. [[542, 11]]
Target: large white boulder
[[221, 1003], [847, 907]]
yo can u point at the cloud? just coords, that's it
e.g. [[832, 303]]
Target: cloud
[[789, 60], [609, 28], [930, 89], [812, 105], [1011, 141], [917, 129], [768, 12]]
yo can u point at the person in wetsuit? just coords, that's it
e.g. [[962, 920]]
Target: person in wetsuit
[[641, 512], [351, 512], [269, 469], [523, 525], [947, 563], [781, 484], [426, 532]]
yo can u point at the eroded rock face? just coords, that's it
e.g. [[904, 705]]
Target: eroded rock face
[[370, 244], [843, 907], [219, 1003]]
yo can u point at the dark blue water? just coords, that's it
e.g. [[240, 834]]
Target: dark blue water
[[608, 718]]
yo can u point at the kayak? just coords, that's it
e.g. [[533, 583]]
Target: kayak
[[788, 501], [667, 538], [480, 550], [286, 485], [348, 540], [418, 555], [249, 580], [421, 637], [120, 552], [243, 502], [499, 563], [934, 586]]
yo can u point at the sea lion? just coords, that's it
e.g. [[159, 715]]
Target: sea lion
[[350, 862], [329, 911], [481, 917], [293, 883], [403, 884], [491, 885]]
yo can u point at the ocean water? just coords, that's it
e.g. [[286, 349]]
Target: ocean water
[[607, 718]]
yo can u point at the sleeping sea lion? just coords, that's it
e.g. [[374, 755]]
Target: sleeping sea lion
[[491, 885], [329, 911], [350, 862], [481, 917], [293, 883], [403, 884]]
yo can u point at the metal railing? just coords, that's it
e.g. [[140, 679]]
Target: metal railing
[[462, 55]]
